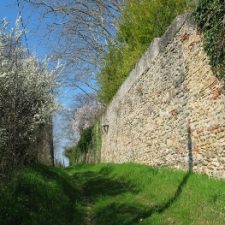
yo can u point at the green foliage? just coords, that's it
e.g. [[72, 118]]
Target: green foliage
[[210, 18], [107, 194], [140, 22], [88, 148], [39, 196]]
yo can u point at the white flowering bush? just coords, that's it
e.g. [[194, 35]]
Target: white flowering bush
[[26, 99]]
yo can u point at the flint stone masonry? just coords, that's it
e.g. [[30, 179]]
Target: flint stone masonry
[[171, 109]]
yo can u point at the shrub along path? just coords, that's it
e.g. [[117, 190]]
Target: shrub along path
[[107, 194]]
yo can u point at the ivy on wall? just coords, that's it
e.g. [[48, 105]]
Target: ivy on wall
[[210, 17], [88, 148]]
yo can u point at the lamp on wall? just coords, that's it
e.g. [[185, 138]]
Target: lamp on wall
[[105, 128]]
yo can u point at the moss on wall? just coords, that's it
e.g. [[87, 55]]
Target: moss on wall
[[88, 149]]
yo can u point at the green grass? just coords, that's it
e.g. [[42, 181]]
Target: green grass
[[106, 194]]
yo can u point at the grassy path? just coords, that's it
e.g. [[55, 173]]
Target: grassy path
[[111, 195]]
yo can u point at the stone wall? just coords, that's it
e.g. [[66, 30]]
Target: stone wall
[[171, 109], [44, 146]]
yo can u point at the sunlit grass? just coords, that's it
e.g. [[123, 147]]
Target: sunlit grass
[[106, 194]]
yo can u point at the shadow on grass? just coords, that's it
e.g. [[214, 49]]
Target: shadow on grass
[[46, 196], [97, 184], [127, 214], [43, 196]]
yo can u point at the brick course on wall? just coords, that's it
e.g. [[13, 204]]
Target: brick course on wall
[[171, 109]]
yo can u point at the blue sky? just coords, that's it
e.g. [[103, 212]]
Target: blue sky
[[40, 47], [9, 10]]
